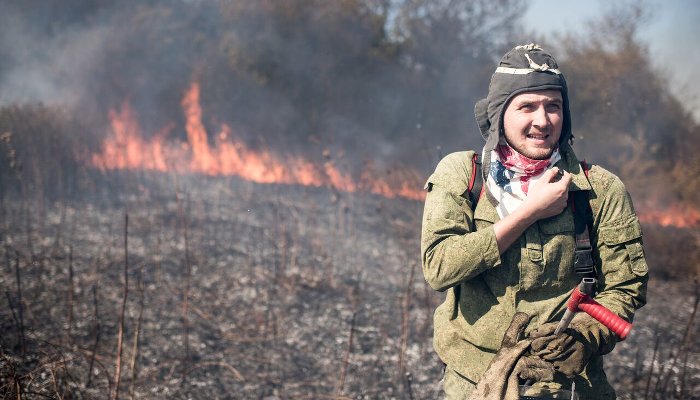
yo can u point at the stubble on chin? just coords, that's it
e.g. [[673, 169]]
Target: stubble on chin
[[542, 154], [535, 154]]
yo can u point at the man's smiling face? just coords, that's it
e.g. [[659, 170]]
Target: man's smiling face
[[533, 121]]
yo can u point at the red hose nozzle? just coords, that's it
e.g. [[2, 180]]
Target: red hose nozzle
[[606, 317], [580, 301]]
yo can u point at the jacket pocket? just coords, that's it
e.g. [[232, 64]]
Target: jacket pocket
[[628, 232], [558, 224], [557, 237], [444, 205]]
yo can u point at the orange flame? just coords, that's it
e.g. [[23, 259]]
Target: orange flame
[[127, 149], [675, 215]]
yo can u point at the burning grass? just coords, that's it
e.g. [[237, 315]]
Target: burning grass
[[243, 290], [127, 148]]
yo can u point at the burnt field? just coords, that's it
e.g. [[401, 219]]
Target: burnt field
[[220, 288]]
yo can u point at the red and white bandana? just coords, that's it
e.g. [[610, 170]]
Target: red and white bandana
[[510, 176]]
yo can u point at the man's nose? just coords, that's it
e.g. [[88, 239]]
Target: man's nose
[[540, 118]]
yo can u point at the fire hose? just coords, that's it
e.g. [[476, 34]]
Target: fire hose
[[581, 300]]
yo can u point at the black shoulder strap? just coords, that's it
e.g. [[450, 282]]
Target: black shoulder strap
[[583, 224]]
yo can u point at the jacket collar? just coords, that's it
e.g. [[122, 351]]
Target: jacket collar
[[570, 163]]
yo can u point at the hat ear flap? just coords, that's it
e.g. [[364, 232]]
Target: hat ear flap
[[482, 117]]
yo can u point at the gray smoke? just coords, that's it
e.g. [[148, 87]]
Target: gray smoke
[[296, 77], [40, 66]]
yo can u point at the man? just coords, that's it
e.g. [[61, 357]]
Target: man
[[514, 251]]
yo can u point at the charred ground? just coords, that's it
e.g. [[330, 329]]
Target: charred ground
[[241, 290]]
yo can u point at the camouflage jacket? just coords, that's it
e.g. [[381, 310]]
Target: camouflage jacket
[[535, 275]]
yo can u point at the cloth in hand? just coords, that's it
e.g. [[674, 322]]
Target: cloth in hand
[[501, 379]]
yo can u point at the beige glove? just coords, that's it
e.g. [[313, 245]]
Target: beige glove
[[500, 381]]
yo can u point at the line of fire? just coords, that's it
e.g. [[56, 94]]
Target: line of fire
[[127, 149]]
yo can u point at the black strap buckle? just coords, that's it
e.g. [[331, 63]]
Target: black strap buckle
[[583, 261]]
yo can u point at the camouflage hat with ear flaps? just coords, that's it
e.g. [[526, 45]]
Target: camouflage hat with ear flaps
[[525, 68]]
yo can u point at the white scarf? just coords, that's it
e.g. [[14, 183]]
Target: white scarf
[[509, 179]]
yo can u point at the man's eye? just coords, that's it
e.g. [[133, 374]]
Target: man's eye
[[554, 107]]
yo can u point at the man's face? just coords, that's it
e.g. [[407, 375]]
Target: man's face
[[532, 123]]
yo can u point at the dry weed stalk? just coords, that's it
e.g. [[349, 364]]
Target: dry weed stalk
[[28, 228], [668, 372], [236, 374], [20, 305], [682, 347], [651, 368], [346, 357], [71, 289], [14, 318], [684, 371], [637, 372], [120, 334], [137, 333], [183, 218], [409, 383], [689, 336], [405, 311], [54, 380], [97, 336]]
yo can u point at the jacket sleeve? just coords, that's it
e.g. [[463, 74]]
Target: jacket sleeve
[[619, 255], [451, 250]]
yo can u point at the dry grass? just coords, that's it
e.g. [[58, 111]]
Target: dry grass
[[252, 291]]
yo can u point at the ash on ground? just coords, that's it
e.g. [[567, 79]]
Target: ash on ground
[[238, 290]]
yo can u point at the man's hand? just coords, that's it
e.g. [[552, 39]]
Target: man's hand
[[548, 196], [569, 351]]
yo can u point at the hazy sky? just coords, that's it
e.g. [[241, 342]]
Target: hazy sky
[[671, 31]]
